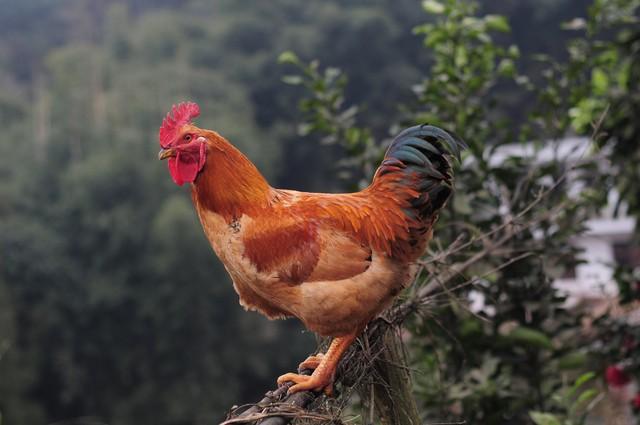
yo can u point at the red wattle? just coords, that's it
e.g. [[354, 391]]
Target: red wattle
[[173, 170], [184, 167]]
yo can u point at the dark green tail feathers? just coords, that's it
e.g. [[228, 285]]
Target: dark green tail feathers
[[421, 153], [429, 133]]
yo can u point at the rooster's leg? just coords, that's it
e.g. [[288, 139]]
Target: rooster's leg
[[322, 376]]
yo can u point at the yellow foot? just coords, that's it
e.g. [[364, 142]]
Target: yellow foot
[[312, 362], [315, 382]]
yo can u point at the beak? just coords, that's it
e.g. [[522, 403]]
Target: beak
[[166, 153]]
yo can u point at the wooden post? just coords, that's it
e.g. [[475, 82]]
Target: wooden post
[[393, 396]]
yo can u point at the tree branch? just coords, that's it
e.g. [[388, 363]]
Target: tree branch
[[276, 408]]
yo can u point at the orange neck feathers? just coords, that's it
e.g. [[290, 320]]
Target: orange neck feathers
[[229, 184]]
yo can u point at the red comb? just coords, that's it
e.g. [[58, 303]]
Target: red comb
[[180, 115]]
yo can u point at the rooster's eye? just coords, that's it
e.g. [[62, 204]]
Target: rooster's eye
[[187, 137]]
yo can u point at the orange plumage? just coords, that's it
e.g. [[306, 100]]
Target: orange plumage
[[335, 261]]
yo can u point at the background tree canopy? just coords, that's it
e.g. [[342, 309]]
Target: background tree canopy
[[112, 305]]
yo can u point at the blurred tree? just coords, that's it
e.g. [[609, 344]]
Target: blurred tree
[[605, 64], [95, 236], [16, 371]]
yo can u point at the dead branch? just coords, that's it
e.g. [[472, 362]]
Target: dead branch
[[276, 408]]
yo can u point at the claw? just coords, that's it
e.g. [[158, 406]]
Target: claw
[[324, 368], [308, 383]]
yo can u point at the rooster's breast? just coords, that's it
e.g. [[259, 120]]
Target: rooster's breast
[[257, 290]]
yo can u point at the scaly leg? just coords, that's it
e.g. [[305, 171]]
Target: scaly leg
[[322, 376]]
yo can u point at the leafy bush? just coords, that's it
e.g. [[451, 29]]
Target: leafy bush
[[496, 341]]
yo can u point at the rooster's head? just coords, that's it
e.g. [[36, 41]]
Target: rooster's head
[[183, 143]]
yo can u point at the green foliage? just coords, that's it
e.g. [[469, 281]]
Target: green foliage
[[525, 316], [325, 113], [575, 403], [597, 86], [507, 360], [17, 375], [544, 418], [115, 305], [467, 65], [607, 60]]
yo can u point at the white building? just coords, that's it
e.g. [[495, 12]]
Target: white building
[[605, 244]]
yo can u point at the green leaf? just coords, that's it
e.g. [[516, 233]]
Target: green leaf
[[622, 76], [352, 135], [294, 80], [422, 29], [573, 360], [497, 23], [434, 38], [586, 396], [305, 129], [599, 82], [433, 7], [541, 418], [471, 22], [584, 378], [461, 57], [506, 68], [530, 337], [585, 112], [513, 52], [288, 57], [574, 24]]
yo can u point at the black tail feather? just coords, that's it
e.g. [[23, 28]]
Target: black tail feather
[[422, 151]]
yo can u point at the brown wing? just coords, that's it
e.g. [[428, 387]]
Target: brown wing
[[298, 250]]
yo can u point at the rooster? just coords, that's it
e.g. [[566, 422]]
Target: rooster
[[334, 261]]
